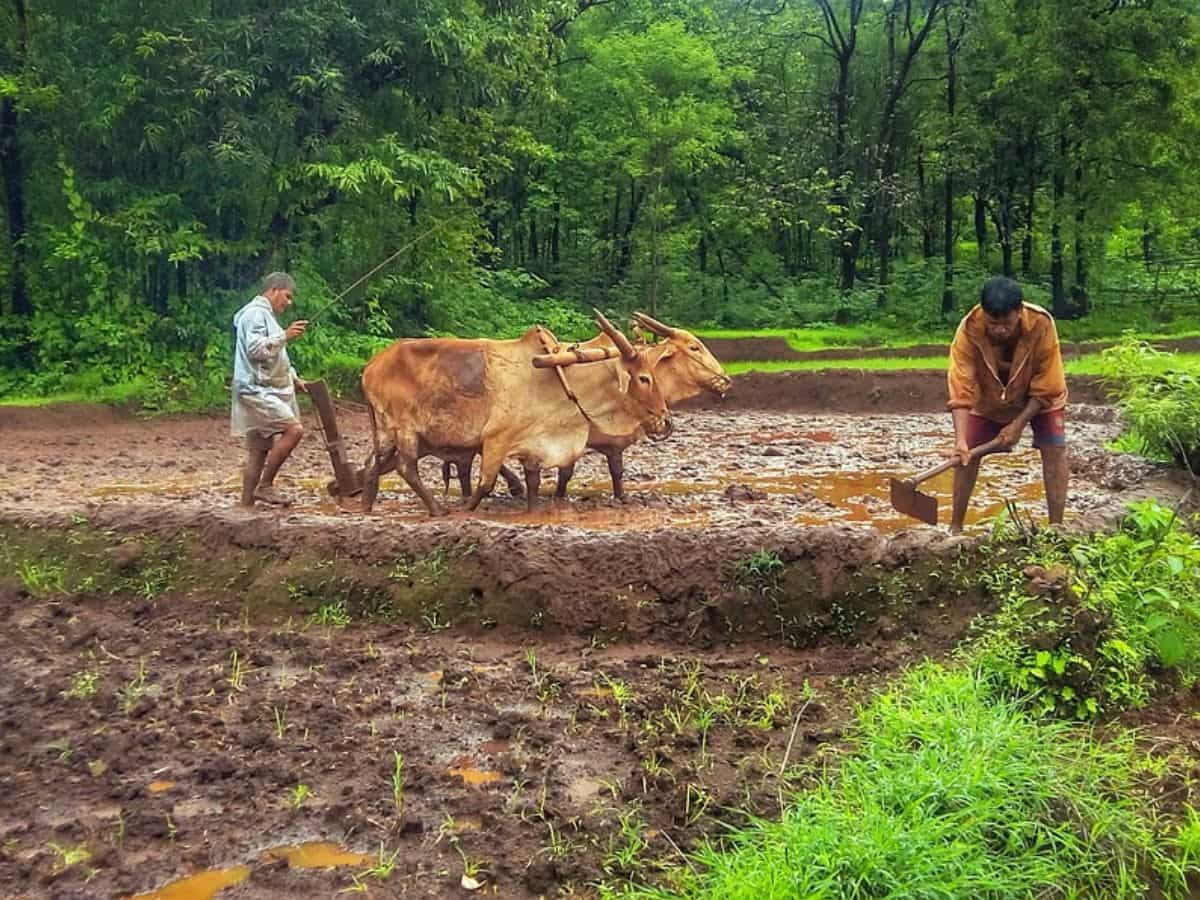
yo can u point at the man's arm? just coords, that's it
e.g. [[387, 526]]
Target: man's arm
[[260, 346], [1011, 433], [962, 383]]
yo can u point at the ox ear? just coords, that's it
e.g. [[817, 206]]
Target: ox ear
[[618, 338], [663, 331]]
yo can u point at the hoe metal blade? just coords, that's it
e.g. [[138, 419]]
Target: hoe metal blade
[[908, 500]]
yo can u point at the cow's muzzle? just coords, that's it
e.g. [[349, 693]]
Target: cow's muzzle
[[720, 385], [660, 428]]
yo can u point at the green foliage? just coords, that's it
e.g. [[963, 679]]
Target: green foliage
[[1159, 398], [1095, 624], [951, 794]]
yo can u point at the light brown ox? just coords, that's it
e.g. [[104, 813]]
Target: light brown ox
[[445, 396], [684, 367]]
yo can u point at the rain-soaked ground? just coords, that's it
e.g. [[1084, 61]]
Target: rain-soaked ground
[[176, 746], [719, 468]]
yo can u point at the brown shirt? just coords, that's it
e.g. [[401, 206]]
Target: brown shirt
[[977, 378]]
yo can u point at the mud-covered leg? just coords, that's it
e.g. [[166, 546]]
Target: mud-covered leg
[[464, 467], [533, 481], [565, 473], [370, 483], [616, 469], [256, 459], [489, 471], [1056, 474], [514, 483], [964, 485], [408, 471]]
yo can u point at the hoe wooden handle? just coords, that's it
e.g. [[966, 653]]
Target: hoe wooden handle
[[992, 446]]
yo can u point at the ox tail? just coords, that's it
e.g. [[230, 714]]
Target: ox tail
[[371, 474]]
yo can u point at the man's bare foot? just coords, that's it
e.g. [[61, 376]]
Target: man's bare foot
[[268, 494]]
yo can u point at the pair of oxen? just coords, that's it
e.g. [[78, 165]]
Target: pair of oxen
[[453, 399]]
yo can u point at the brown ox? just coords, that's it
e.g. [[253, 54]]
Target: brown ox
[[684, 367], [446, 397]]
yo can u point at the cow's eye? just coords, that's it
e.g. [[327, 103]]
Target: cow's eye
[[644, 379], [695, 347]]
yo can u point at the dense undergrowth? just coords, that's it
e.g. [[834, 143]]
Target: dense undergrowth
[[982, 777]]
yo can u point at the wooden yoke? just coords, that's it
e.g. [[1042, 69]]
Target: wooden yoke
[[348, 480]]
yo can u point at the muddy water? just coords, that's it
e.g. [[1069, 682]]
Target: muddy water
[[717, 469], [202, 886], [207, 885]]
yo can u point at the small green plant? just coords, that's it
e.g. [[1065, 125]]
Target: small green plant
[[237, 672], [281, 724], [398, 782], [135, 689], [83, 685], [68, 855], [41, 579], [759, 573], [330, 615], [297, 795]]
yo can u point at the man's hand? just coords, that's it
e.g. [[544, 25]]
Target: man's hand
[[301, 385], [1010, 434], [296, 329], [961, 453]]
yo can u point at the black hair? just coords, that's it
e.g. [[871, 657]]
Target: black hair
[[1000, 296]]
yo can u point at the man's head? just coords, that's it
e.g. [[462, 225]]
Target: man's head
[[1001, 302], [279, 289]]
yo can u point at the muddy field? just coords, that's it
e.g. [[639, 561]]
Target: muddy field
[[308, 701], [722, 468]]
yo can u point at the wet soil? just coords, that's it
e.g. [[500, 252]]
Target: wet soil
[[173, 747], [622, 679]]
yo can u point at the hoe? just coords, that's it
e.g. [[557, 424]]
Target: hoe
[[908, 500]]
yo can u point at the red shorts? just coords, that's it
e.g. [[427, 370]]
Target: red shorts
[[1049, 429]]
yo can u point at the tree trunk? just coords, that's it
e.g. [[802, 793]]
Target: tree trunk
[[12, 172], [1030, 196], [1079, 294], [981, 228], [1147, 245], [626, 256], [556, 234], [948, 299], [1058, 297], [927, 210]]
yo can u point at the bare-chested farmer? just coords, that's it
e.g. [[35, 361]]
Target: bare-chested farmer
[[1006, 371], [264, 389]]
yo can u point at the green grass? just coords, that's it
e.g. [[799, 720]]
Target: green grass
[[870, 336], [953, 793], [129, 393], [1090, 364], [835, 336]]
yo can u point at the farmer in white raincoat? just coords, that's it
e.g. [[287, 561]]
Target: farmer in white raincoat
[[264, 389]]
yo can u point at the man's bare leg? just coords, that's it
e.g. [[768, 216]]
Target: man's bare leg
[[256, 458], [964, 485], [284, 445], [1055, 475]]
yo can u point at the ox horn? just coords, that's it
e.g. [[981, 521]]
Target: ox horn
[[616, 334], [663, 331]]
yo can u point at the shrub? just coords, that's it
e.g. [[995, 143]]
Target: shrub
[[1090, 626], [1159, 400]]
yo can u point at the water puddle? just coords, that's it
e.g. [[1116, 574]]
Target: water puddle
[[201, 886], [160, 787], [317, 855], [206, 885], [464, 768]]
